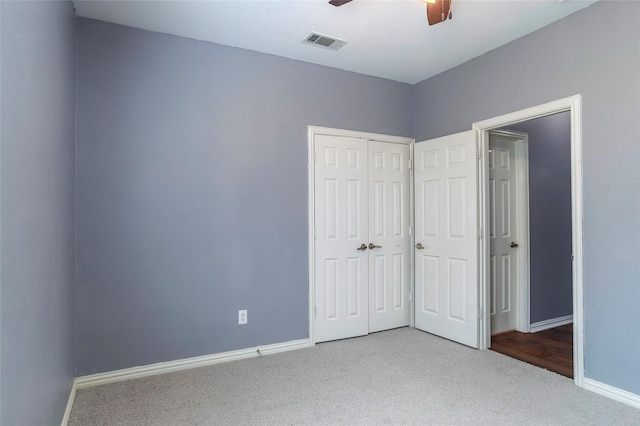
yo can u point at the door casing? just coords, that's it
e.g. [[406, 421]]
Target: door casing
[[312, 131], [573, 104]]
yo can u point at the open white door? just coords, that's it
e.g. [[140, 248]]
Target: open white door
[[446, 236], [503, 265]]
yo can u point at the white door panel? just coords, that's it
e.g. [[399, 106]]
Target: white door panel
[[341, 228], [389, 221], [502, 257], [446, 235]]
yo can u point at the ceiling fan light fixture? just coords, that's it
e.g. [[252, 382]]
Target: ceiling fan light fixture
[[439, 12]]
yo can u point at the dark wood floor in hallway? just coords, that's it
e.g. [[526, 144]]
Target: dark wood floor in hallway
[[551, 349]]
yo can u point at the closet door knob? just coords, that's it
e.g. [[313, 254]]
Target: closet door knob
[[513, 245], [419, 246], [363, 246], [372, 246]]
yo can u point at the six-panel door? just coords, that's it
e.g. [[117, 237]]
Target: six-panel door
[[389, 224], [502, 227], [341, 266], [362, 236], [446, 266]]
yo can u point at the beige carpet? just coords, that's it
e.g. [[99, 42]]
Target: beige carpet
[[400, 376]]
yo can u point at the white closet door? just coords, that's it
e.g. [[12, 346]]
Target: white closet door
[[502, 232], [446, 254], [390, 242], [341, 269]]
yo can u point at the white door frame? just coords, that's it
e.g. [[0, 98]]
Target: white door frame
[[312, 131], [521, 141], [572, 104]]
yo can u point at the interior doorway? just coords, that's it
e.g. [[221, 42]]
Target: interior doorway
[[545, 286], [572, 262]]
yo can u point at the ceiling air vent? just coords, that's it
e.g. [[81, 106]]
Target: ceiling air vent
[[325, 41]]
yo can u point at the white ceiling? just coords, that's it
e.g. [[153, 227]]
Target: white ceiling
[[387, 38]]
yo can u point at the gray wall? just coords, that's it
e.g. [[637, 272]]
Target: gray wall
[[551, 290], [192, 191], [594, 52], [37, 213]]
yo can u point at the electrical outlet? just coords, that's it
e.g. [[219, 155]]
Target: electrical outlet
[[242, 316]]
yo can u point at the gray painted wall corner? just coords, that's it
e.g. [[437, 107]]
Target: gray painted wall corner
[[37, 210], [191, 165], [581, 54]]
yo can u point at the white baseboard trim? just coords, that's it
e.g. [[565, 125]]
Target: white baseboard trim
[[185, 364], [550, 323], [612, 392], [67, 411]]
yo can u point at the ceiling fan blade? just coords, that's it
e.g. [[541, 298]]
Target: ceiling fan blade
[[438, 12], [338, 2]]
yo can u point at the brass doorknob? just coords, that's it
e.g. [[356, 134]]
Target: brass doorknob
[[419, 246], [372, 246], [363, 246], [513, 245]]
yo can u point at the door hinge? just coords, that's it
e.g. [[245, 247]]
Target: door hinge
[[410, 297], [314, 156], [480, 233], [480, 313], [315, 233], [479, 156], [572, 258], [410, 230], [315, 312], [410, 164]]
